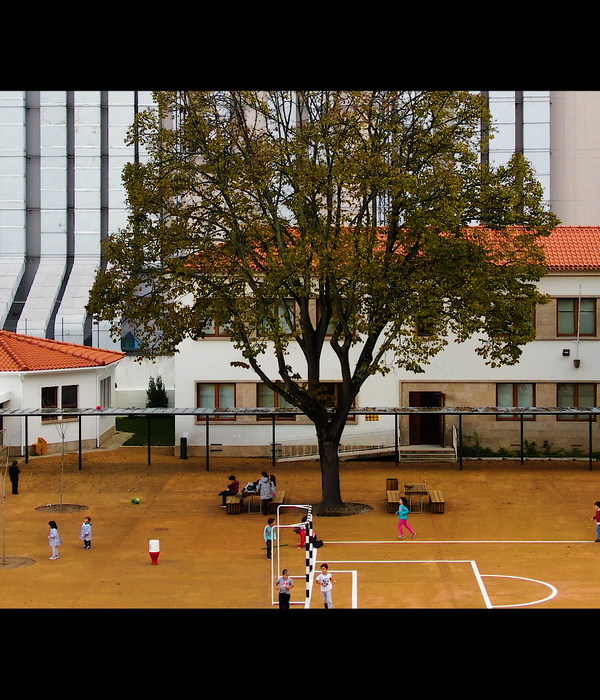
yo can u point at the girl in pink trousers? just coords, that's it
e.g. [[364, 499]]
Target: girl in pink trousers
[[402, 514]]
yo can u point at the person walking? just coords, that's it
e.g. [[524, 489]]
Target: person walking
[[325, 580], [13, 474], [270, 535], [265, 489], [54, 539], [597, 519], [284, 585], [402, 514], [85, 533]]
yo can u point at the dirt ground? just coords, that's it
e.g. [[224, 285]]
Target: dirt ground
[[511, 536]]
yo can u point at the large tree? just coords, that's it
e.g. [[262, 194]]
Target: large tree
[[342, 222]]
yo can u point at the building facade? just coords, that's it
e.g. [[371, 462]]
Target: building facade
[[36, 373], [558, 369]]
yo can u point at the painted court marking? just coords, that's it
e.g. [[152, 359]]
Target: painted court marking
[[479, 577]]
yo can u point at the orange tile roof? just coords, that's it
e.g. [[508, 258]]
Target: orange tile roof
[[25, 353], [573, 248]]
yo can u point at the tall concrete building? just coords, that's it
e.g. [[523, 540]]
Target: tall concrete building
[[61, 158], [61, 194]]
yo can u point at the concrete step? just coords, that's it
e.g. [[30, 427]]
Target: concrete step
[[427, 453]]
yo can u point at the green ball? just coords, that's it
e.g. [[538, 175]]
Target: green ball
[[135, 500]]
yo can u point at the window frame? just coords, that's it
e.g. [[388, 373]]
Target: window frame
[[577, 402], [515, 393], [292, 307], [71, 404], [217, 330], [58, 401], [576, 313], [216, 396], [336, 385], [276, 399], [105, 390]]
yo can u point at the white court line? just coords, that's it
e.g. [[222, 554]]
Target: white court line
[[478, 576], [354, 584], [415, 542], [399, 561], [553, 590], [482, 588]]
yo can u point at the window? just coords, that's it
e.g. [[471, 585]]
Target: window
[[216, 329], [576, 317], [129, 343], [267, 398], [285, 316], [50, 399], [576, 396], [106, 392], [331, 326], [216, 396], [515, 395], [331, 391], [69, 396]]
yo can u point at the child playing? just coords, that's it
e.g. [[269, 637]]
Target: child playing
[[325, 579], [597, 519], [315, 541], [54, 539], [402, 514], [284, 585], [269, 535], [85, 533]]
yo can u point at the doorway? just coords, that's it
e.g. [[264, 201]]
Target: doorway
[[426, 429]]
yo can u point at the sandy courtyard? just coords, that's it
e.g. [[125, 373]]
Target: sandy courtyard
[[511, 536]]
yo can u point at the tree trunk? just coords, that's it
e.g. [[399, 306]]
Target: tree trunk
[[330, 475]]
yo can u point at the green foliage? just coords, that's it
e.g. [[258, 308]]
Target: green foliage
[[156, 394], [256, 210], [472, 447], [162, 430]]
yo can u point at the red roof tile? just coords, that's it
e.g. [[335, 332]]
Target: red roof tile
[[573, 248], [23, 353]]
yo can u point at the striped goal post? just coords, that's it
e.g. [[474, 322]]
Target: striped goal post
[[309, 552]]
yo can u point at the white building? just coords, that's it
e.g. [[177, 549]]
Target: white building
[[559, 369], [36, 373]]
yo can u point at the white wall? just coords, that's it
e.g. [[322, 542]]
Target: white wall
[[25, 389], [132, 376], [541, 361]]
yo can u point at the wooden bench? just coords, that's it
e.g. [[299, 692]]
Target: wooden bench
[[436, 499], [234, 504], [393, 501], [277, 501]]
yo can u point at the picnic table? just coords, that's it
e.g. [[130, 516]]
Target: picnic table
[[419, 491]]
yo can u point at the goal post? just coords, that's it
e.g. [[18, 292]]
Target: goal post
[[309, 550]]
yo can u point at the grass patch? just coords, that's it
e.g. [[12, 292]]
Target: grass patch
[[162, 430]]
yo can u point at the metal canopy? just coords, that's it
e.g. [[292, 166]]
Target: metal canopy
[[247, 411], [273, 413]]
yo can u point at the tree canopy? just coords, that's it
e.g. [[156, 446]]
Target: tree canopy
[[343, 222]]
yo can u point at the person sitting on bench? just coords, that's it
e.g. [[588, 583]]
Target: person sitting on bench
[[232, 490]]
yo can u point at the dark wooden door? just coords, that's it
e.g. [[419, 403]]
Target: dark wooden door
[[424, 428]]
